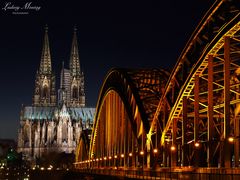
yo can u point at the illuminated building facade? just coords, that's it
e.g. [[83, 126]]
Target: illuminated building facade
[[55, 123]]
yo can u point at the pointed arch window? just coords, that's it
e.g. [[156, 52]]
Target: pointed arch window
[[45, 92], [74, 92]]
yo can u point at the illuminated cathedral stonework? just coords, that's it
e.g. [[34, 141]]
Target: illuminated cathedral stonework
[[54, 123]]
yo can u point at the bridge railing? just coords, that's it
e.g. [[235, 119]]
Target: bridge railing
[[163, 174]]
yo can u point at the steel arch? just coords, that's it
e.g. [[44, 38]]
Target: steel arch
[[208, 41], [196, 107], [139, 91]]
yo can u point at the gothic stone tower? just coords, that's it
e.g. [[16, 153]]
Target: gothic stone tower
[[44, 94], [77, 95], [47, 126]]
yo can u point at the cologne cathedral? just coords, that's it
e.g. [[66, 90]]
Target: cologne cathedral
[[55, 120]]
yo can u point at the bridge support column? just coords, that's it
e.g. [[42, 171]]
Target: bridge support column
[[184, 138], [226, 132], [148, 151], [174, 150], [210, 112], [165, 148], [236, 142], [196, 120]]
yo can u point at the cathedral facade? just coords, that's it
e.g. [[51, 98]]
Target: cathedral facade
[[55, 119]]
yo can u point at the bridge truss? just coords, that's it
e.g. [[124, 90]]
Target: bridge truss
[[190, 117]]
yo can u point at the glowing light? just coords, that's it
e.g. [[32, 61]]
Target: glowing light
[[100, 159], [105, 158], [173, 148], [230, 139], [142, 153], [42, 168], [96, 159], [130, 154], [110, 157], [155, 151], [115, 156], [197, 144], [122, 155]]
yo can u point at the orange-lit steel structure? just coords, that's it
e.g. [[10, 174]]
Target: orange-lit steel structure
[[190, 117]]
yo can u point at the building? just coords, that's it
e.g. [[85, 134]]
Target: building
[[55, 121]]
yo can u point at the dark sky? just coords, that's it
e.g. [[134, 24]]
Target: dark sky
[[114, 33]]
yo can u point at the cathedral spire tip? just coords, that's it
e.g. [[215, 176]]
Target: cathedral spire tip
[[46, 28], [75, 28]]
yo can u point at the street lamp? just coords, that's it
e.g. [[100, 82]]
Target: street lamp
[[197, 144], [155, 151], [173, 148], [231, 139]]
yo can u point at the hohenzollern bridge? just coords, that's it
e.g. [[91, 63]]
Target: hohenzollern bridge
[[187, 118]]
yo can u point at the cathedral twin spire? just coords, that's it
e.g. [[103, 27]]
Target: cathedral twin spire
[[45, 64], [74, 58], [45, 94]]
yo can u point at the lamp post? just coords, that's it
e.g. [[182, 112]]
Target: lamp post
[[172, 149], [115, 159], [142, 154]]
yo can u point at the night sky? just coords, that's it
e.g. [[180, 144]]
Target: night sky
[[116, 33]]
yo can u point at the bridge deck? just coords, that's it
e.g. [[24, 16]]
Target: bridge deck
[[166, 173]]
